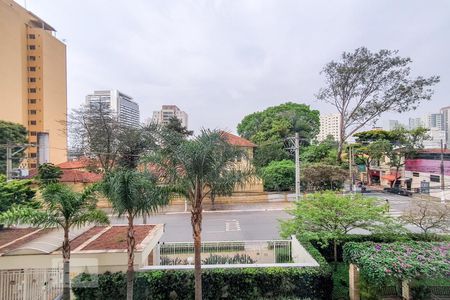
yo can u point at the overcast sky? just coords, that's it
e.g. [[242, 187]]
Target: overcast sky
[[220, 60]]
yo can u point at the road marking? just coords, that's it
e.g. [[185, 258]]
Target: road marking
[[228, 211], [232, 225]]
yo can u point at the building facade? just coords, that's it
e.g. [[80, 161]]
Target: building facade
[[433, 121], [167, 112], [445, 111], [33, 85], [329, 126], [123, 106], [415, 123]]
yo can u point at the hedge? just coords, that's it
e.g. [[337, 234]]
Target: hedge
[[242, 283], [327, 250]]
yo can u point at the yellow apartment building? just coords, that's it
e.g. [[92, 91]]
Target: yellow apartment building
[[33, 80]]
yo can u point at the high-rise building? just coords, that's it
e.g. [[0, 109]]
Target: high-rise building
[[329, 126], [33, 81], [435, 136], [433, 121], [167, 112], [415, 123], [445, 111], [123, 106], [393, 124]]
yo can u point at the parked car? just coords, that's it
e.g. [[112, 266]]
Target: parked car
[[398, 191]]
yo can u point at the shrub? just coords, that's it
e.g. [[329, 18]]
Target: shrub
[[279, 176], [242, 283]]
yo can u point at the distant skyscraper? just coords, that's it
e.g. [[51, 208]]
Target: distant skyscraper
[[433, 121], [445, 111], [393, 124], [436, 135], [123, 106], [329, 125], [415, 122], [167, 112]]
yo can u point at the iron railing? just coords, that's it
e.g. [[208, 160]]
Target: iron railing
[[227, 252], [30, 284]]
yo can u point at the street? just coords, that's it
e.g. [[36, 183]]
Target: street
[[257, 221]]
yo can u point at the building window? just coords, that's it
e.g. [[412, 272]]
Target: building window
[[32, 155], [32, 101], [33, 166], [33, 133], [31, 47], [416, 174], [33, 122], [435, 178], [32, 90], [32, 57], [32, 69], [32, 79], [31, 36], [32, 111]]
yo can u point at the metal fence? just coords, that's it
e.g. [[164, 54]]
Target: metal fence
[[227, 252], [30, 284]]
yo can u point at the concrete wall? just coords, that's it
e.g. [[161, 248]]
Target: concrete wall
[[299, 253]]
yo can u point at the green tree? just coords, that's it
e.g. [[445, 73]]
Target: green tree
[[11, 133], [369, 153], [279, 176], [49, 173], [16, 192], [321, 177], [273, 125], [324, 152], [362, 85], [63, 208], [330, 217], [200, 167], [132, 194], [175, 125]]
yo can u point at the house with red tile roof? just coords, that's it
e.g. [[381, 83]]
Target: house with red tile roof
[[94, 248]]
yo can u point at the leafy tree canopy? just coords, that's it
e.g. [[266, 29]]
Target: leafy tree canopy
[[11, 133], [321, 177], [329, 216], [279, 122], [279, 175], [49, 173], [362, 85], [324, 151], [16, 192]]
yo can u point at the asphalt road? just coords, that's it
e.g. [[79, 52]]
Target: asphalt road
[[245, 221], [221, 226]]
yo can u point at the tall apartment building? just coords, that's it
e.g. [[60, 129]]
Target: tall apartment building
[[445, 111], [167, 112], [415, 123], [123, 106], [329, 125], [435, 136], [433, 121], [394, 124], [33, 81]]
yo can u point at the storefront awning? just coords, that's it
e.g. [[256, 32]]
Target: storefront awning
[[390, 177]]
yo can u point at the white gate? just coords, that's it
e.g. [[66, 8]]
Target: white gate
[[30, 284]]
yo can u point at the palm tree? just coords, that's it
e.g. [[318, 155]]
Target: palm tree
[[62, 208], [133, 193], [203, 167]]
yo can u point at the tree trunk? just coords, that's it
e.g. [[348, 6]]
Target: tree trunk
[[341, 138], [213, 201], [369, 178], [66, 265], [335, 250], [130, 251], [196, 222]]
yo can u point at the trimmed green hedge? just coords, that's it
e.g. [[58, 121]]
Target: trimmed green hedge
[[245, 283], [327, 251]]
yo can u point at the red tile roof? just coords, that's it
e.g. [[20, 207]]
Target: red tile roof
[[77, 176], [18, 237], [115, 238], [76, 242], [82, 163], [237, 140]]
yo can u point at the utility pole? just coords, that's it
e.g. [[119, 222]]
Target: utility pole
[[350, 163], [442, 173], [8, 162], [297, 166]]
